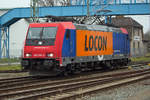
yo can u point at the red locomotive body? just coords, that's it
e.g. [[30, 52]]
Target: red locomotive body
[[43, 45]]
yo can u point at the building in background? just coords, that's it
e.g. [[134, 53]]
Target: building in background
[[135, 31]]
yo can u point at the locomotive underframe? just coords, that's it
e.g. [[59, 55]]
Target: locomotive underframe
[[99, 58], [73, 64], [39, 64]]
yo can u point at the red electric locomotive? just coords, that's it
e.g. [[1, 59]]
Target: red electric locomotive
[[64, 47]]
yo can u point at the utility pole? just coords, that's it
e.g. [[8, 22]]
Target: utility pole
[[149, 23], [88, 8], [34, 10]]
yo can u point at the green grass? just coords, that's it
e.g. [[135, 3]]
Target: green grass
[[12, 67], [148, 55], [141, 59], [11, 60]]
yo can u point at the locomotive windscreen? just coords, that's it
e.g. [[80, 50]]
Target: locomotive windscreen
[[41, 36]]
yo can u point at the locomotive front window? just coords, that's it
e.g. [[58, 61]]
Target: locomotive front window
[[42, 33], [39, 36]]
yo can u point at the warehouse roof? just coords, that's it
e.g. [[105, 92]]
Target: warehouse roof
[[125, 21]]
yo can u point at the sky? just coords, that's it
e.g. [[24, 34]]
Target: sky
[[144, 20], [14, 3]]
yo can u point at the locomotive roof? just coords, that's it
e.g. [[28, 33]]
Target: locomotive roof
[[97, 28], [70, 25]]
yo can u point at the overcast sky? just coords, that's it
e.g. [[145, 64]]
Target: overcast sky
[[14, 3], [144, 20]]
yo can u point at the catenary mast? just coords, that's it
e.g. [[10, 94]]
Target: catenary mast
[[34, 10]]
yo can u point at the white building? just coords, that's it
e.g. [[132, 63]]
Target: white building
[[17, 35]]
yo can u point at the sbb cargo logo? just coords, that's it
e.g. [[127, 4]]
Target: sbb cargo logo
[[93, 43]]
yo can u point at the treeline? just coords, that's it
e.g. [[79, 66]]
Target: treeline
[[147, 35]]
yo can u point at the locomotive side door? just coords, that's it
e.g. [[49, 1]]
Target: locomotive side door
[[69, 43], [70, 37]]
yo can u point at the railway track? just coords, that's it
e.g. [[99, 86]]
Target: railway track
[[13, 71], [13, 82], [17, 79], [69, 88]]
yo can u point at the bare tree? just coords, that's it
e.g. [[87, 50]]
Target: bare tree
[[46, 2], [147, 35], [64, 2], [54, 2], [77, 19]]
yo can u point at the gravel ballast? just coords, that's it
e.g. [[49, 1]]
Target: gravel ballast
[[122, 93]]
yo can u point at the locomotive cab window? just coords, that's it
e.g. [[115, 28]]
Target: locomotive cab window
[[44, 35], [42, 32], [68, 34]]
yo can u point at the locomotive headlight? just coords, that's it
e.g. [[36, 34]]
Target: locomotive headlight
[[28, 55], [50, 55]]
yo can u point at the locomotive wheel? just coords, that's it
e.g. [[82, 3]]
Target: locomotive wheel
[[109, 65], [65, 73], [76, 70]]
